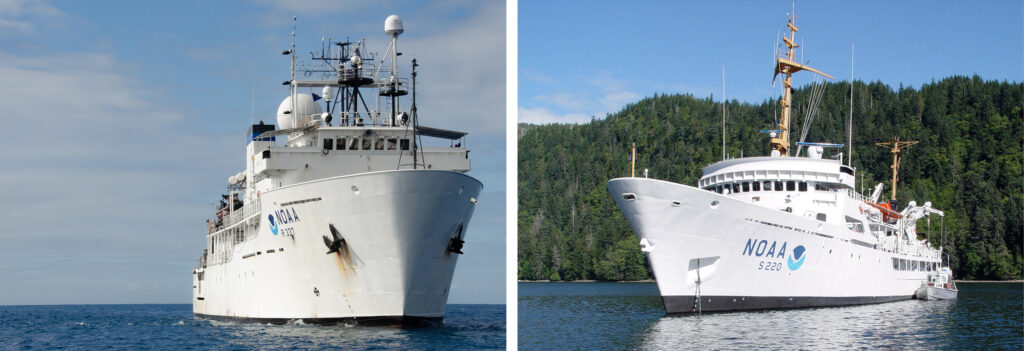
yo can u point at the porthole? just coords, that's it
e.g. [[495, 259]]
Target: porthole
[[676, 203], [714, 204], [629, 196]]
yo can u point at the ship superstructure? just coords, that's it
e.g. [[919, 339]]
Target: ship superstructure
[[341, 214], [779, 231]]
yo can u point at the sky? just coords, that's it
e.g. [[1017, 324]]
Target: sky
[[578, 62], [125, 118]]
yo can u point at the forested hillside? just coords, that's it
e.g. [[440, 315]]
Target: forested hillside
[[969, 163]]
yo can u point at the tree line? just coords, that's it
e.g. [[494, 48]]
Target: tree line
[[969, 163]]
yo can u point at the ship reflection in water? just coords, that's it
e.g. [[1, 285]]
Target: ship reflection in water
[[630, 316]]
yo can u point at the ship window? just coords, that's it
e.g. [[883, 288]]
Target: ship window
[[341, 143], [778, 185], [821, 217], [820, 187], [803, 186], [367, 144], [757, 186], [903, 264], [392, 144], [767, 185], [266, 153], [718, 188], [735, 188], [790, 185], [404, 144], [379, 145], [353, 144], [328, 144], [746, 186], [895, 263]]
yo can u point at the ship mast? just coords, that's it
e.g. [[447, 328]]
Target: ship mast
[[787, 66], [895, 145]]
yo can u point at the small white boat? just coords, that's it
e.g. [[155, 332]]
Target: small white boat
[[940, 286]]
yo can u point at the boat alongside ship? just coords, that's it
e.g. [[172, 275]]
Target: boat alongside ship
[[777, 231], [352, 219]]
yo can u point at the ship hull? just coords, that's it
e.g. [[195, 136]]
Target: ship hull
[[394, 267], [738, 255]]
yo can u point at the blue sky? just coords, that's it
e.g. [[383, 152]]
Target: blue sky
[[124, 118], [580, 61]]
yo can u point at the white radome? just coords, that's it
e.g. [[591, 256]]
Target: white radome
[[393, 25], [305, 107]]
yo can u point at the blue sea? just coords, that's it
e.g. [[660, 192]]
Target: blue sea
[[630, 316], [171, 327]]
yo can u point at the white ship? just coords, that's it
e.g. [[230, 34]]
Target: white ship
[[350, 218], [776, 232]]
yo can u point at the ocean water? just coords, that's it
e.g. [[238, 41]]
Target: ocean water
[[171, 327], [629, 316]]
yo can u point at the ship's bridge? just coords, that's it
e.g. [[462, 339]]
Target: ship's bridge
[[776, 173]]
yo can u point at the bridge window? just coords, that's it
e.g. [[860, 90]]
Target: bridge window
[[718, 188], [778, 185], [405, 144], [790, 185], [895, 263], [767, 185], [803, 186], [353, 144], [328, 144], [746, 186], [392, 144], [757, 186], [735, 188], [367, 144], [379, 145], [341, 143]]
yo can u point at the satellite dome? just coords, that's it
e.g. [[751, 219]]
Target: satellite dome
[[305, 107], [393, 25]]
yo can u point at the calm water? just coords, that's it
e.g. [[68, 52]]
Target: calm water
[[618, 316], [171, 327]]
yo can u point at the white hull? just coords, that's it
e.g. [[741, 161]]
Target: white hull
[[396, 225], [748, 256], [930, 293]]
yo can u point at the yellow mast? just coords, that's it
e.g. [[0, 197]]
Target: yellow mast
[[895, 145], [787, 66]]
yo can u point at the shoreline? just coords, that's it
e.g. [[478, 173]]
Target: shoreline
[[585, 281], [652, 281]]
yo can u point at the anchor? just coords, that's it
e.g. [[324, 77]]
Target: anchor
[[335, 245]]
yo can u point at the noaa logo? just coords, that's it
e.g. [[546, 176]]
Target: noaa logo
[[797, 259], [273, 225]]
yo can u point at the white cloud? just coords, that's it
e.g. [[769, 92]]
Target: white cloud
[[615, 101], [21, 16], [541, 115], [101, 176]]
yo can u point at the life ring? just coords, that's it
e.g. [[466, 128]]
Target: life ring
[[257, 194]]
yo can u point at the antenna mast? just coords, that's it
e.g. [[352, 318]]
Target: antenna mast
[[787, 66], [895, 145], [849, 138], [723, 113]]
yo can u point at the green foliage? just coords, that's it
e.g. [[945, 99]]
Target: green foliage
[[969, 162]]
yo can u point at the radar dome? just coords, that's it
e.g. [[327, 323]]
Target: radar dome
[[304, 106], [393, 25], [815, 152]]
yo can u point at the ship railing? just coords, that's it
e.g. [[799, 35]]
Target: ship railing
[[233, 217], [857, 196]]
